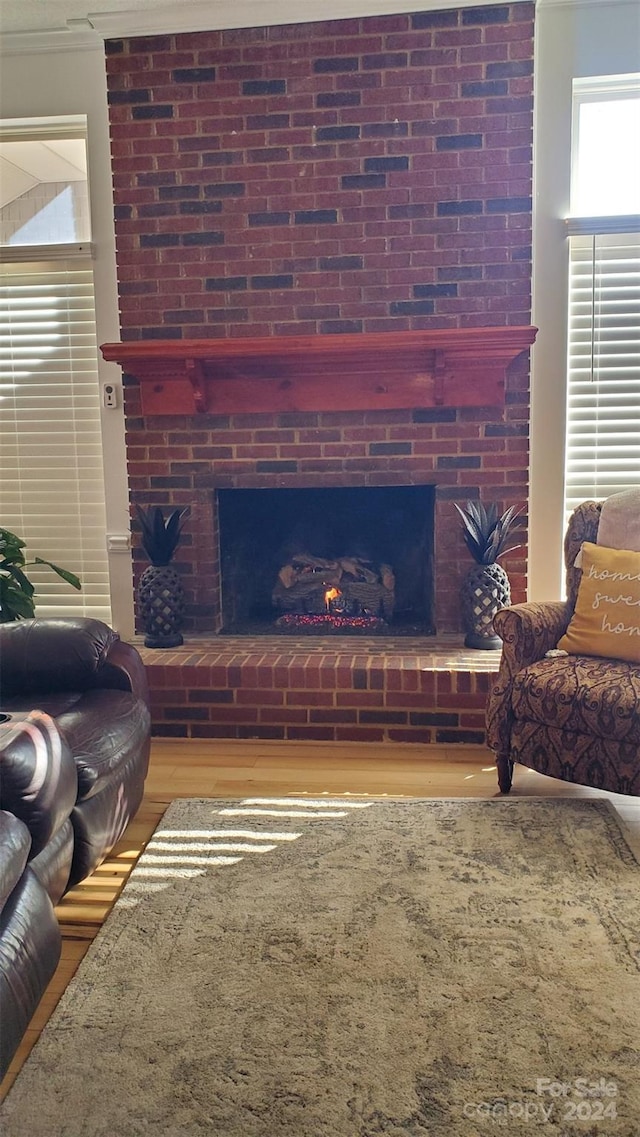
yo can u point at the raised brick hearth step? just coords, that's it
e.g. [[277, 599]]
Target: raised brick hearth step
[[341, 689]]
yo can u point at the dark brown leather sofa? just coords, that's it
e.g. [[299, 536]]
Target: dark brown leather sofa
[[29, 936], [74, 752], [38, 790]]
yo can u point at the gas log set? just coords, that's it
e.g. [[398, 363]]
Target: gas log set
[[347, 593]]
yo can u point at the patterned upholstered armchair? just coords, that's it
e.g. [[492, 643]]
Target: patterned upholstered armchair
[[574, 717]]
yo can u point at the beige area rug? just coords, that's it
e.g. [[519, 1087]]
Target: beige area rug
[[355, 967]]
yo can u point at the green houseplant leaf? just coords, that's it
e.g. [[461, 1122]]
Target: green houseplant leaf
[[21, 579], [65, 574], [15, 603], [16, 590]]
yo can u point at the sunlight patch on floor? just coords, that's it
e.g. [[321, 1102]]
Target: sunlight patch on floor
[[167, 871], [223, 834], [174, 854], [202, 847], [315, 802], [257, 811]]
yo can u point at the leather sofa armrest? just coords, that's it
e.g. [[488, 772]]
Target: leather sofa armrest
[[52, 654], [528, 632], [68, 653], [123, 670]]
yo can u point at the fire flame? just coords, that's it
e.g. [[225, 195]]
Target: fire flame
[[330, 595]]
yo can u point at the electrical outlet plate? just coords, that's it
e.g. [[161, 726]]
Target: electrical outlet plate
[[109, 395]]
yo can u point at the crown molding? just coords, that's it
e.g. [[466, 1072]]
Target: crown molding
[[210, 15], [214, 15], [77, 35], [202, 15], [605, 5]]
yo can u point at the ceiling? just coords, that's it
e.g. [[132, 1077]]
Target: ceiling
[[24, 165]]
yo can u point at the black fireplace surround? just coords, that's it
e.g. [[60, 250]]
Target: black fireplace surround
[[262, 529]]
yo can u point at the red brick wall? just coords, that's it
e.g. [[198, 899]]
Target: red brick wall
[[356, 175]]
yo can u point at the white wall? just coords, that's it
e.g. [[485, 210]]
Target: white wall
[[52, 84], [572, 41]]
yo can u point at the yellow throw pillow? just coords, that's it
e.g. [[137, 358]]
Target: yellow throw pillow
[[606, 620]]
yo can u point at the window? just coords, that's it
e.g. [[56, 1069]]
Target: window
[[51, 469], [603, 390]]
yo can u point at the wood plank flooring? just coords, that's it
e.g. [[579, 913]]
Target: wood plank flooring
[[231, 768]]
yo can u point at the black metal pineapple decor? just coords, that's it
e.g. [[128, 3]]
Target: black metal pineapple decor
[[486, 587], [161, 597]]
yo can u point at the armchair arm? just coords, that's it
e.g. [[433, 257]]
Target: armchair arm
[[528, 632]]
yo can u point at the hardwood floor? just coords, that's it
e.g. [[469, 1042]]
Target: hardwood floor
[[229, 768]]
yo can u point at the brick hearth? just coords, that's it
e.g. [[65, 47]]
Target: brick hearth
[[322, 688]]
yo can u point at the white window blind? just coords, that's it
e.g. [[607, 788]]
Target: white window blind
[[51, 470], [603, 408]]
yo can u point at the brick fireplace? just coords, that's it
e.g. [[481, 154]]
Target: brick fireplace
[[332, 180]]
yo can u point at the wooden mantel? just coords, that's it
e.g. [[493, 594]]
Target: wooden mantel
[[364, 371]]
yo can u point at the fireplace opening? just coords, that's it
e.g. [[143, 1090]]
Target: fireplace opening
[[319, 561]]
